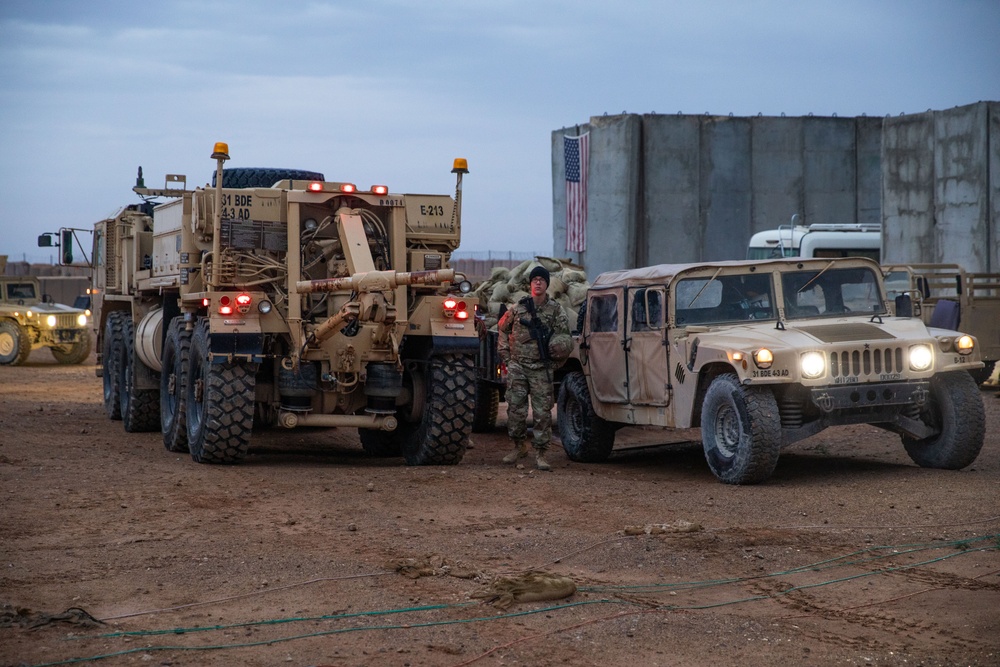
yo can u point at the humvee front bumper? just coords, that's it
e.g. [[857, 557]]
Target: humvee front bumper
[[848, 397]]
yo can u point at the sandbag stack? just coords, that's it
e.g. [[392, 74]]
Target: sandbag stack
[[567, 285]]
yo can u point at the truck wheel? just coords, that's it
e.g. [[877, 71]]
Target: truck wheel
[[441, 436], [484, 419], [586, 437], [956, 408], [740, 431], [173, 386], [110, 343], [15, 344], [250, 177], [220, 403], [983, 374], [140, 408], [382, 444], [76, 353]]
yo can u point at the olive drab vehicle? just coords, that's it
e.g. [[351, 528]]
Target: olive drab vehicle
[[275, 297], [760, 355], [29, 320]]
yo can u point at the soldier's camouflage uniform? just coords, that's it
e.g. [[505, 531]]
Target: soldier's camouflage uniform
[[527, 374]]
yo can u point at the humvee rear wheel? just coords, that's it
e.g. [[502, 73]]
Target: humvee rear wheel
[[442, 434], [110, 343], [76, 353], [382, 444], [740, 431], [140, 408], [585, 436], [173, 386], [487, 407], [956, 408], [220, 404], [15, 344]]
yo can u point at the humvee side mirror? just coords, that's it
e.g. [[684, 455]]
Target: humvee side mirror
[[45, 240]]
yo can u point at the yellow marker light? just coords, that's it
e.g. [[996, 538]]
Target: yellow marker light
[[763, 358], [964, 344], [921, 357], [221, 151], [460, 166]]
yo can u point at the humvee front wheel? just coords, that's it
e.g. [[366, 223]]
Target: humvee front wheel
[[586, 437], [220, 404], [15, 344], [442, 434], [740, 431], [173, 386], [956, 408], [76, 353]]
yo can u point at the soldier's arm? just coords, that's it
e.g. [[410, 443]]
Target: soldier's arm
[[503, 337], [561, 323]]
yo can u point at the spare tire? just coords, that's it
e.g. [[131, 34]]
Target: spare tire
[[253, 177]]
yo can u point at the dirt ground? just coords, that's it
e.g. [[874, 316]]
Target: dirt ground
[[116, 552]]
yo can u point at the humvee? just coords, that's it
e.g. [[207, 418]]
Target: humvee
[[762, 354], [30, 320]]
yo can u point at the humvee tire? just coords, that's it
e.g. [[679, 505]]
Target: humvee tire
[[983, 374], [220, 404], [250, 177], [586, 437], [441, 436], [140, 408], [76, 353], [955, 407], [109, 359], [487, 407], [740, 431], [173, 386], [15, 344]]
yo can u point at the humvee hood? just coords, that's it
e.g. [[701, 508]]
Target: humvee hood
[[819, 332]]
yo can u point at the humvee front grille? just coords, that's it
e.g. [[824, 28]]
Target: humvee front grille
[[872, 362], [66, 322]]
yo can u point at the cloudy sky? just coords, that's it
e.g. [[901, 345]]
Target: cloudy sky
[[390, 91]]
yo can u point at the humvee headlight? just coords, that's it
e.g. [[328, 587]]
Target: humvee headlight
[[763, 358], [81, 319], [813, 365], [921, 357], [50, 320], [964, 344], [29, 313]]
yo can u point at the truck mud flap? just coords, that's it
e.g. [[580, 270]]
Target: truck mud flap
[[448, 345], [225, 347]]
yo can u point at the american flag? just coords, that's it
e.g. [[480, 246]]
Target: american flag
[[576, 156]]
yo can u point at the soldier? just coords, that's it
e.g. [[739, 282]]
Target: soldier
[[523, 345]]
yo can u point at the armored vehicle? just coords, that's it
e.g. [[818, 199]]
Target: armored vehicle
[[277, 297], [760, 355], [30, 320]]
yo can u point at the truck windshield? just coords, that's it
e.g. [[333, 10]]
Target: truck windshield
[[831, 292]]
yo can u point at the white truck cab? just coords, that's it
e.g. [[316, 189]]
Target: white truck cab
[[821, 240]]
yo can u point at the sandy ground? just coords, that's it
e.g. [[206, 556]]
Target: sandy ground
[[116, 552]]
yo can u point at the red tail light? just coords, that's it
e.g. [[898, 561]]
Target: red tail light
[[380, 189], [315, 186], [348, 188], [457, 309], [243, 302]]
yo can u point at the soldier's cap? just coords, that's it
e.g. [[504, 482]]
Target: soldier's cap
[[539, 272]]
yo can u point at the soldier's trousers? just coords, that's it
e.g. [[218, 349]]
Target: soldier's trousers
[[536, 384]]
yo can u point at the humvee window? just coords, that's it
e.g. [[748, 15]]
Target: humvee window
[[20, 291], [647, 310], [603, 313], [728, 298], [831, 292]]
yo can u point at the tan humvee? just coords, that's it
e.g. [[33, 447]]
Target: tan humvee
[[30, 320], [761, 355]]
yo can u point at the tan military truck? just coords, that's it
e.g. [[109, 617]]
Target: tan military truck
[[762, 354], [949, 297], [30, 320], [278, 297]]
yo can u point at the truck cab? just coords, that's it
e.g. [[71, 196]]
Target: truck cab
[[820, 240]]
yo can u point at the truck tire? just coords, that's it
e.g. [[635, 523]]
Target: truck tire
[[251, 177], [15, 344], [110, 343], [140, 408], [442, 435], [76, 353], [484, 418], [173, 386], [956, 408], [220, 404], [586, 437], [740, 431], [983, 374], [381, 444]]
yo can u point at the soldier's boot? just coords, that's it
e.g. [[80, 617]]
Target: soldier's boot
[[540, 461], [520, 451]]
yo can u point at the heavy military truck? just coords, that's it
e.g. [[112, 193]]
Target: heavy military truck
[[276, 297], [30, 320], [762, 354]]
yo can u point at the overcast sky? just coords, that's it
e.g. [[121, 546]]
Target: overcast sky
[[390, 91]]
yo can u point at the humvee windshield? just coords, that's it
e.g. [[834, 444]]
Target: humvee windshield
[[17, 291], [831, 292], [726, 298]]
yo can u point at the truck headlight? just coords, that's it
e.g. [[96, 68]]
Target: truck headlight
[[921, 357], [964, 344], [81, 319], [813, 365], [763, 358], [50, 320]]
